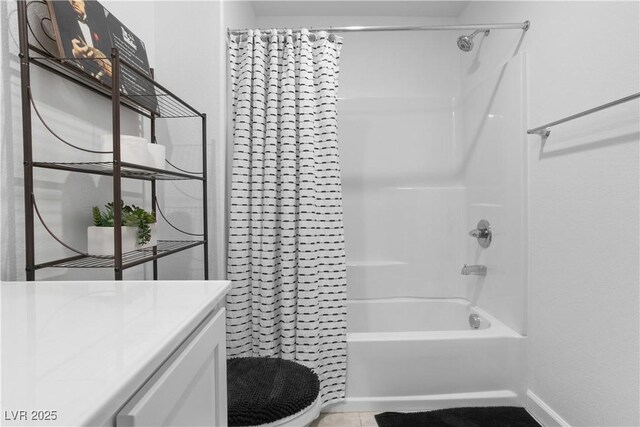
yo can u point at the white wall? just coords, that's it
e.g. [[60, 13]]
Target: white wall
[[236, 14], [9, 102], [188, 49], [583, 203], [191, 58], [403, 196]]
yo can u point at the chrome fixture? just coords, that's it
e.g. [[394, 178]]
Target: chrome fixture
[[474, 270], [474, 321], [482, 233], [465, 43], [476, 27], [545, 130]]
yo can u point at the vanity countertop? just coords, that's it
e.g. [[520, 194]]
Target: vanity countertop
[[82, 349]]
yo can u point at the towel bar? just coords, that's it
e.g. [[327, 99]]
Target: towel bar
[[545, 130]]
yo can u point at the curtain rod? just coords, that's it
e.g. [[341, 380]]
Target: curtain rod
[[481, 27]]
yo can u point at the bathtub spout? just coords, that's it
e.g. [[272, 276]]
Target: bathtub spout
[[476, 270]]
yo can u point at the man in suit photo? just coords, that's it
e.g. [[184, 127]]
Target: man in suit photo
[[83, 33]]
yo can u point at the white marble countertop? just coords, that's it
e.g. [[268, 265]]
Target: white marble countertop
[[82, 349]]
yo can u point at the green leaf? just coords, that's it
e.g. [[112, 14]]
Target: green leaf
[[97, 217], [132, 216]]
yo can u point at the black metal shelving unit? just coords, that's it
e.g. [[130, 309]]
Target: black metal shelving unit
[[151, 100]]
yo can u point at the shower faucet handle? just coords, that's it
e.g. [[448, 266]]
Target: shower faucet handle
[[482, 233], [479, 234]]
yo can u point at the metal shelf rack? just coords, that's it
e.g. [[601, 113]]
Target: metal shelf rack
[[151, 100], [129, 259], [127, 170]]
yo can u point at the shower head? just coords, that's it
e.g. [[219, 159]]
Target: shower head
[[465, 43]]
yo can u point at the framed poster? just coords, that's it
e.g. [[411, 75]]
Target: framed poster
[[86, 32]]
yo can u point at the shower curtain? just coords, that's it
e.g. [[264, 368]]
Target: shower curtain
[[286, 256]]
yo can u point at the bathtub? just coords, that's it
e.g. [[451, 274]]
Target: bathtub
[[419, 354]]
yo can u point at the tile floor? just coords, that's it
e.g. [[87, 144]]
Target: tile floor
[[346, 419]]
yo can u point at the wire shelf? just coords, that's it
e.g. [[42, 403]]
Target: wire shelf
[[128, 170], [144, 95], [129, 259], [124, 85]]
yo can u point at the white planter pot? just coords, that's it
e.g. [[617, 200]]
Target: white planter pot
[[100, 240], [137, 150]]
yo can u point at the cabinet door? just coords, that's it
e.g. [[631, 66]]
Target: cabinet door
[[190, 389]]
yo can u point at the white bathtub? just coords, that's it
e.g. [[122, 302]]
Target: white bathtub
[[416, 354]]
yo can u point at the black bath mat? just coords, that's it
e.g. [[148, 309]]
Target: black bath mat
[[497, 416]]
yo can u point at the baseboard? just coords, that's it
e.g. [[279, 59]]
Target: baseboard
[[425, 403], [543, 412]]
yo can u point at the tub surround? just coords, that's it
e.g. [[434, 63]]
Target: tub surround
[[412, 354], [83, 349]]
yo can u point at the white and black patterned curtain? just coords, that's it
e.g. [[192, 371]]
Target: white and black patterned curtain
[[286, 254]]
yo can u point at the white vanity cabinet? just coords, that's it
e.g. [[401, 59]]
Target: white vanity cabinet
[[113, 353], [190, 389]]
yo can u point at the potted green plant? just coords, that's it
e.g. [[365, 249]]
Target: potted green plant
[[138, 229]]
